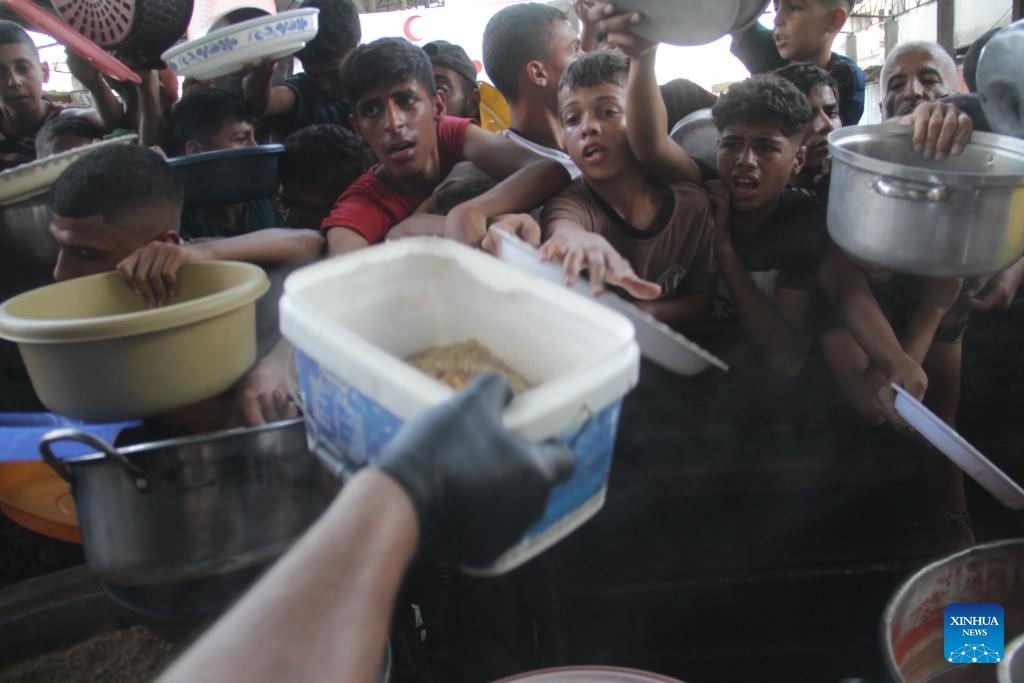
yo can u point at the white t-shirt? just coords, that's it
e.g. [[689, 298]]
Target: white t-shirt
[[559, 155]]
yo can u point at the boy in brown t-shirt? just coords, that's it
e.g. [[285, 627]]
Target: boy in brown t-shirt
[[625, 229]]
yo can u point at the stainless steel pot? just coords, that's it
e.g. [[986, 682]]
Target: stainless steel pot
[[958, 217], [913, 624], [191, 507]]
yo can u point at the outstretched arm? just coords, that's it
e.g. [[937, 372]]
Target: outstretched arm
[[322, 612], [263, 97]]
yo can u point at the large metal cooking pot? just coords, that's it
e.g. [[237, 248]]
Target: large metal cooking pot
[[191, 507], [958, 217], [914, 619]]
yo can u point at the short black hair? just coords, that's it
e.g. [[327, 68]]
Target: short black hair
[[806, 76], [119, 182], [764, 100], [384, 62], [325, 155], [200, 115], [971, 58], [10, 32], [338, 30], [80, 126], [515, 36], [594, 69]]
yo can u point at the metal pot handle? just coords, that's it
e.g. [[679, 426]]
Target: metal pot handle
[[916, 192], [58, 466]]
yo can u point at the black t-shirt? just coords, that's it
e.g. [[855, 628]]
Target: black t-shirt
[[792, 241], [311, 106], [784, 252]]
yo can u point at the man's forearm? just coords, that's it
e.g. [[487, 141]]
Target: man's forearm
[[321, 613]]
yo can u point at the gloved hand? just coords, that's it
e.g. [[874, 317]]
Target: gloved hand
[[475, 486]]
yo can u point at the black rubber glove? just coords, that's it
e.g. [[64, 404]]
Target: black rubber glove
[[475, 486]]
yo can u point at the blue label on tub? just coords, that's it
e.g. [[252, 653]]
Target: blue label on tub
[[351, 429]]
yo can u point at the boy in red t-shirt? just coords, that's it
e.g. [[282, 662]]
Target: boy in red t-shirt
[[399, 112]]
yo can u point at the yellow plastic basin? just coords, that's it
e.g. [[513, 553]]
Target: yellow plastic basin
[[94, 351]]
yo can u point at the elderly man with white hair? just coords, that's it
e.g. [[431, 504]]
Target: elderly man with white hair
[[922, 72]]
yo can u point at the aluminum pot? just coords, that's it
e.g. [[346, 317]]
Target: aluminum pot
[[191, 507], [959, 217], [914, 619]]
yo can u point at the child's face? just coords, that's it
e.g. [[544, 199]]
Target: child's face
[[801, 28], [755, 162], [21, 78], [90, 245], [826, 119], [594, 121], [399, 122], [232, 135]]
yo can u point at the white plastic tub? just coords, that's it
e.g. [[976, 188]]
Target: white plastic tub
[[353, 320]]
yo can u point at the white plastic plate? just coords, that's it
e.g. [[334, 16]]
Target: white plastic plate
[[229, 49], [957, 449], [35, 177], [658, 342]]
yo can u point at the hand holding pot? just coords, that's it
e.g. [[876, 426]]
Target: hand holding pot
[[475, 486], [940, 129], [616, 26]]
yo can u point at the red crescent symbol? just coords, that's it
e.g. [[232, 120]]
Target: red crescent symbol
[[408, 28]]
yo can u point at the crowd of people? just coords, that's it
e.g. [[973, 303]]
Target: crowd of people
[[382, 141]]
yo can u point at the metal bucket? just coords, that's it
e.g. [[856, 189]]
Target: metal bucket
[[959, 217], [194, 507], [913, 622]]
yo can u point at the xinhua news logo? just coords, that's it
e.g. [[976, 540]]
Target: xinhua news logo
[[973, 633]]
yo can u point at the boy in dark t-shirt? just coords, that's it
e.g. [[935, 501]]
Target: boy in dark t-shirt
[[804, 31], [315, 95], [770, 237]]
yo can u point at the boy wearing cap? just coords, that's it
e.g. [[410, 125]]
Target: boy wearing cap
[[455, 75]]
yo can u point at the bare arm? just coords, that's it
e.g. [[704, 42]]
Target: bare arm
[[523, 190], [647, 122], [322, 612], [417, 225], [341, 240], [152, 126], [263, 97], [109, 110], [268, 246]]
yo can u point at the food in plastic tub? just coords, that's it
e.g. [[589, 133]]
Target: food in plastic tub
[[354, 319]]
